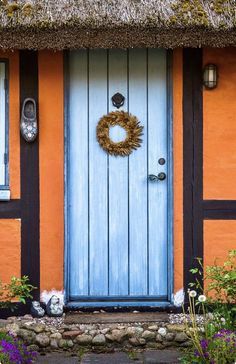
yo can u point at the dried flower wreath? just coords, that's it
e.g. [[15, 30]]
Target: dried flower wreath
[[132, 127]]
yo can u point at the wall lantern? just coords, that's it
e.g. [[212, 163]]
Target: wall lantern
[[210, 76]]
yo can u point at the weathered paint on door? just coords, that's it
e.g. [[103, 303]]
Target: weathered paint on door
[[117, 217]]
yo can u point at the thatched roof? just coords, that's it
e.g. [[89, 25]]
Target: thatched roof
[[61, 24]]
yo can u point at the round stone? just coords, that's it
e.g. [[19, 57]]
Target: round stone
[[27, 336], [42, 340], [56, 336], [134, 331], [99, 340], [162, 331], [181, 337], [119, 335], [159, 338], [13, 328], [84, 339], [170, 336], [53, 344], [62, 344], [71, 334], [148, 335], [153, 327], [38, 328]]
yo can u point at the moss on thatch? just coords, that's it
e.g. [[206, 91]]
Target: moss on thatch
[[110, 23]]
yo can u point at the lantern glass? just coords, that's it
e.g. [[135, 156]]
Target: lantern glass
[[210, 76]]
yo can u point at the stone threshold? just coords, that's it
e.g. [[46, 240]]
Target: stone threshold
[[103, 317]]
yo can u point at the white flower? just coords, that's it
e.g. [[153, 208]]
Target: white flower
[[192, 294], [202, 298], [210, 316], [222, 320]]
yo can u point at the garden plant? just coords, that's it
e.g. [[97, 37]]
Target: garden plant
[[18, 290], [14, 351], [213, 342]]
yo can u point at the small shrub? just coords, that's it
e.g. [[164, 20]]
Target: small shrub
[[220, 288], [18, 290], [215, 341], [13, 351]]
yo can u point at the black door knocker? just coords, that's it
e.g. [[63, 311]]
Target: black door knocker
[[118, 100], [28, 123]]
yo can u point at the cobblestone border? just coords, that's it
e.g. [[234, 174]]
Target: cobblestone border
[[53, 334]]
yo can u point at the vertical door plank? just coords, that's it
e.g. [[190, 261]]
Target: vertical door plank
[[98, 225], [157, 148], [78, 174], [118, 187], [138, 176]]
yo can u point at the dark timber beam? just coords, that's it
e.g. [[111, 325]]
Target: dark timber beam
[[29, 158], [193, 159]]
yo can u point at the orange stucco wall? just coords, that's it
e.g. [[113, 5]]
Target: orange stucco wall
[[220, 127], [219, 157], [51, 155], [178, 168], [219, 238], [10, 243]]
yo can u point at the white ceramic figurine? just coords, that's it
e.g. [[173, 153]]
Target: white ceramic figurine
[[36, 309], [54, 308]]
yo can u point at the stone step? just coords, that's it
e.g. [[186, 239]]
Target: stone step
[[119, 317], [147, 357]]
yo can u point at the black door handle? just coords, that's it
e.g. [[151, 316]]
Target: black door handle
[[160, 177]]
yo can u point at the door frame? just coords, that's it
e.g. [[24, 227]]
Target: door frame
[[170, 192]]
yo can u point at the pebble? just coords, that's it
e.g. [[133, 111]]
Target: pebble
[[181, 318], [153, 327], [70, 334], [181, 337], [148, 335], [54, 344], [162, 331], [134, 331], [119, 335], [105, 331], [99, 339], [42, 340], [56, 335], [84, 339], [13, 328]]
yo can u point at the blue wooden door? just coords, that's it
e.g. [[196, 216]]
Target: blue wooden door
[[117, 217]]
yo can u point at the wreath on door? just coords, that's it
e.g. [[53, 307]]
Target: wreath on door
[[133, 129]]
